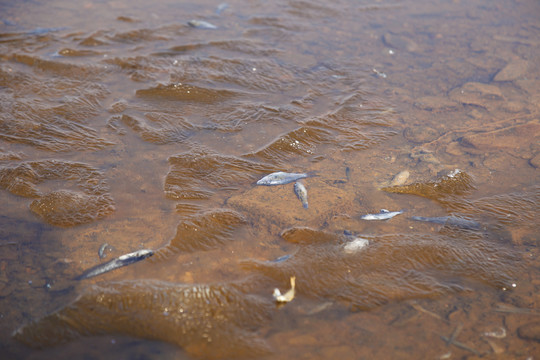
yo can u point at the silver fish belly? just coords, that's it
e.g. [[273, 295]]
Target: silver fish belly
[[383, 215], [119, 262], [301, 193], [281, 178]]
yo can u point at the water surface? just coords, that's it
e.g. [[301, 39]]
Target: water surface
[[122, 124]]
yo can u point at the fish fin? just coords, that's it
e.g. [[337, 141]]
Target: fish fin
[[384, 211]]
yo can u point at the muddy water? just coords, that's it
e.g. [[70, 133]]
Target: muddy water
[[122, 124]]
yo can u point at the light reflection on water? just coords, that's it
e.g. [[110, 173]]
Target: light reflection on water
[[130, 127]]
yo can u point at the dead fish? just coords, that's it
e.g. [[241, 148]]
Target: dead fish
[[119, 262], [201, 24], [282, 258], [288, 296], [301, 193], [382, 215], [450, 221], [281, 178], [101, 252]]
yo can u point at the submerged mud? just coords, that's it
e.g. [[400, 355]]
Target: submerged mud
[[89, 202], [209, 320]]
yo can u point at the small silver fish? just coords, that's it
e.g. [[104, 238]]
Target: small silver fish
[[102, 250], [119, 262], [451, 221], [281, 178], [301, 192], [382, 215], [201, 24]]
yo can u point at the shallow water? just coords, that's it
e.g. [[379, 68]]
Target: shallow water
[[122, 124]]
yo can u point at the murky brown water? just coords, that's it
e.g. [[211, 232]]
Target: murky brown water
[[122, 124]]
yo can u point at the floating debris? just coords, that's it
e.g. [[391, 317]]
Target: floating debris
[[119, 262], [201, 24], [499, 334], [379, 73], [382, 215], [281, 178], [301, 193], [288, 296], [450, 221], [355, 245]]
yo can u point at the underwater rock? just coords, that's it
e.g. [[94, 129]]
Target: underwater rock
[[455, 183], [211, 321], [530, 331], [512, 71], [420, 134], [271, 208], [400, 42], [517, 140], [436, 104], [400, 178], [473, 93]]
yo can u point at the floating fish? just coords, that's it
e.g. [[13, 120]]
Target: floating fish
[[282, 258], [201, 24], [281, 178], [119, 262], [451, 221], [382, 215], [101, 252], [301, 192], [288, 296]]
